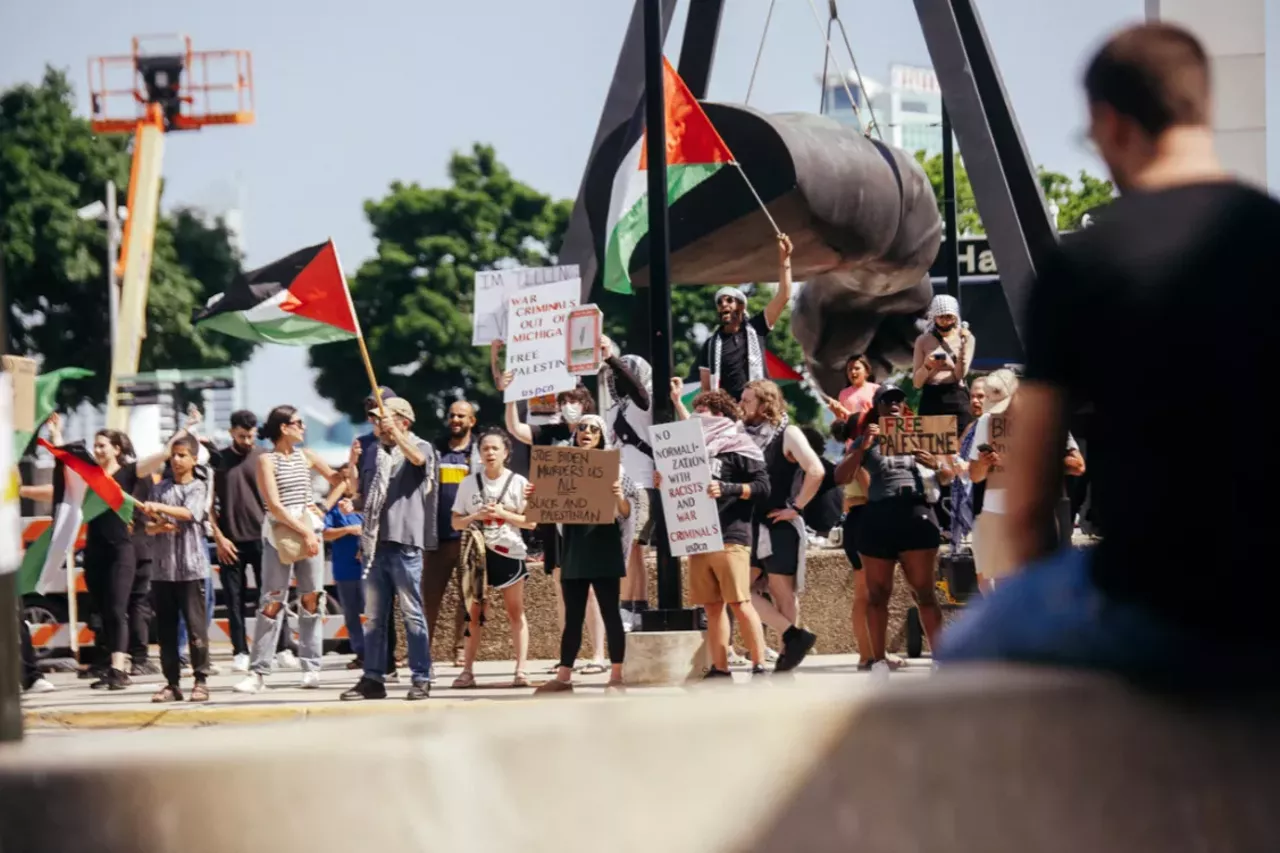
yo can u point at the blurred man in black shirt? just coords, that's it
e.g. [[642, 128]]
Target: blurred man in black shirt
[[1169, 299]]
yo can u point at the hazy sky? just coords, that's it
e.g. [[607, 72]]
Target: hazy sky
[[351, 96]]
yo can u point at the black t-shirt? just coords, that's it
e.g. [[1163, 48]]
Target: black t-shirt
[[735, 355], [235, 489], [735, 513], [109, 531], [823, 512], [1171, 297]]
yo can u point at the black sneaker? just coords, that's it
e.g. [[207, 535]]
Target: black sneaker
[[713, 674], [95, 673], [758, 669], [366, 688], [113, 680], [144, 667], [796, 645], [418, 692]]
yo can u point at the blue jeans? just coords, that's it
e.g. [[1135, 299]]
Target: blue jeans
[[351, 597], [396, 569], [1053, 614], [182, 620]]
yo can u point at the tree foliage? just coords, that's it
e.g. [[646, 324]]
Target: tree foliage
[[51, 165], [1073, 198], [414, 296]]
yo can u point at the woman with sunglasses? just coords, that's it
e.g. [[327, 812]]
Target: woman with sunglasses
[[291, 546], [594, 559]]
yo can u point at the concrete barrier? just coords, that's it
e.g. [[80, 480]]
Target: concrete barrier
[[989, 761], [825, 608]]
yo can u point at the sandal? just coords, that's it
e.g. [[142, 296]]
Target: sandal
[[555, 685], [464, 681], [594, 668], [200, 693], [521, 680], [168, 693]]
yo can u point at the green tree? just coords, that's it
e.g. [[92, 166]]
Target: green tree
[[414, 296], [1073, 199], [51, 165]]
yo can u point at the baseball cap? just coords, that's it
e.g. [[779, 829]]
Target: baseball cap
[[399, 406], [887, 392], [1000, 385], [371, 402]]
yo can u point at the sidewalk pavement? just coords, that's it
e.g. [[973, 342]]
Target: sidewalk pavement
[[74, 706]]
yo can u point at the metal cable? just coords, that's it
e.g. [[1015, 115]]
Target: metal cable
[[817, 20], [760, 51]]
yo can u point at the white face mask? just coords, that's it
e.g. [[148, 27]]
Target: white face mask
[[571, 412]]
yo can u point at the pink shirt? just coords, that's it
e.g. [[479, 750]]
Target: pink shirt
[[858, 400]]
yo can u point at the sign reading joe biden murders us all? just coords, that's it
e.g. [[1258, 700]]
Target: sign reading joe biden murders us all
[[572, 485], [934, 434], [680, 455], [535, 339]]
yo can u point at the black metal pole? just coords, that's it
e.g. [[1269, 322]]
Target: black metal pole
[[669, 592], [10, 666], [950, 227]]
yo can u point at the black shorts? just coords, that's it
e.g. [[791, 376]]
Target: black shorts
[[889, 527], [785, 540], [850, 540], [501, 572]]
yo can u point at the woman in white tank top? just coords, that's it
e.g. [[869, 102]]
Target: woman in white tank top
[[291, 546]]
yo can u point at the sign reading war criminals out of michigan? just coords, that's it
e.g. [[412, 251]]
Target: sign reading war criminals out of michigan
[[572, 485], [536, 340], [680, 455], [934, 434]]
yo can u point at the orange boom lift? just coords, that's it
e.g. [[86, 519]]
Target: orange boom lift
[[161, 87]]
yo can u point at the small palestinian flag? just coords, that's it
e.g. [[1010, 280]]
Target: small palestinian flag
[[695, 152], [47, 385], [778, 370], [81, 492], [299, 300]]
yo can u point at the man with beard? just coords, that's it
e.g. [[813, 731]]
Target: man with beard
[[795, 476], [237, 532], [459, 458], [733, 355]]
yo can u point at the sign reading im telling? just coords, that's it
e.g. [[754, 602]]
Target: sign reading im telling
[[934, 434], [572, 485]]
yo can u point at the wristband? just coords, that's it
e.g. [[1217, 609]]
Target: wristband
[[731, 490]]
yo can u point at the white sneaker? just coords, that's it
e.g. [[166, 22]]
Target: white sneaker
[[286, 659], [310, 681], [240, 663], [41, 685], [770, 655], [736, 659], [880, 672], [249, 684]]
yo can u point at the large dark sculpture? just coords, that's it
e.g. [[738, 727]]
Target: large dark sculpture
[[861, 215]]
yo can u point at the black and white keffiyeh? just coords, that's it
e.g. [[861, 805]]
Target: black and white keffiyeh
[[755, 352]]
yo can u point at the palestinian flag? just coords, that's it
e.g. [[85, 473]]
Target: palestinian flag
[[695, 152], [779, 371], [47, 400], [81, 492], [299, 300]]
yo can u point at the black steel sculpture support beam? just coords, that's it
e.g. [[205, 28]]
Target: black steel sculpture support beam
[[950, 229], [698, 50], [1004, 180]]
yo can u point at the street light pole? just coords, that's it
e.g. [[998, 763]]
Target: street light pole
[[670, 614], [112, 218]]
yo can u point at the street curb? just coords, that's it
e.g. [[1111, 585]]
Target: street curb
[[217, 715]]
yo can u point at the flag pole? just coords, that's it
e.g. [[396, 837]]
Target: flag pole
[[364, 349], [73, 605], [759, 201]]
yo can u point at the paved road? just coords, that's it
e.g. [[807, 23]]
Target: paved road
[[76, 708]]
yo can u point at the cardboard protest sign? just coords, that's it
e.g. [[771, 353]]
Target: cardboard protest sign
[[535, 340], [572, 485], [692, 520], [999, 441], [583, 333], [934, 434], [494, 289]]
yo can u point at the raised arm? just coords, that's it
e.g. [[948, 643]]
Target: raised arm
[[782, 298], [677, 399], [851, 464]]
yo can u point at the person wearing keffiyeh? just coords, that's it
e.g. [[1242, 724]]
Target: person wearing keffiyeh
[[393, 495], [733, 354]]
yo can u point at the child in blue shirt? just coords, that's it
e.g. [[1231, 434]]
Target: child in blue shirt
[[342, 532]]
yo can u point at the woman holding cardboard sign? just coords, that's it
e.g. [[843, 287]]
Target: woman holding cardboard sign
[[594, 558], [897, 525], [493, 501]]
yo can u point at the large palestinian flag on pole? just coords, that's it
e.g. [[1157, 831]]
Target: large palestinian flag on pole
[[81, 492], [695, 152], [299, 300]]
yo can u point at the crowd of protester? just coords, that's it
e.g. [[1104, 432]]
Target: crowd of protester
[[408, 517]]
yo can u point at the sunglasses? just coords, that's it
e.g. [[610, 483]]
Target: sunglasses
[[590, 428], [298, 422]]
